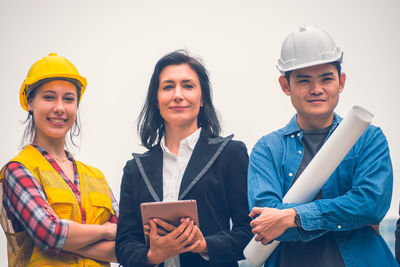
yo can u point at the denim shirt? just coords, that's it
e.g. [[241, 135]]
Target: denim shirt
[[356, 195]]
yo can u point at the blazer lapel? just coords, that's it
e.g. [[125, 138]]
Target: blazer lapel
[[150, 167], [204, 154]]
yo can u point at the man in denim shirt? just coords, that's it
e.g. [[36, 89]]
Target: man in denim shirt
[[397, 238], [335, 229]]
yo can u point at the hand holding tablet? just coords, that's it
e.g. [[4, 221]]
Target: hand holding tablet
[[171, 212]]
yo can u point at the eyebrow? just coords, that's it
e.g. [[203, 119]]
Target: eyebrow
[[69, 93], [167, 81], [171, 81], [48, 91], [326, 74], [302, 76], [53, 92]]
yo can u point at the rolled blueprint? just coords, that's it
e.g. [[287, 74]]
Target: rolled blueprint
[[318, 171]]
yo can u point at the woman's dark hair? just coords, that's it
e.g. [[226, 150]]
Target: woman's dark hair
[[150, 123], [30, 131]]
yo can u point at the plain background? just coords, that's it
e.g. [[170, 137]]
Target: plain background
[[115, 45]]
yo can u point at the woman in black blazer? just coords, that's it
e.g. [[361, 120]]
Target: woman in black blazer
[[179, 122]]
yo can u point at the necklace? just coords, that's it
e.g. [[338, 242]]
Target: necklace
[[60, 161]]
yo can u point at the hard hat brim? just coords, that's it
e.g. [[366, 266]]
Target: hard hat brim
[[308, 64], [28, 82]]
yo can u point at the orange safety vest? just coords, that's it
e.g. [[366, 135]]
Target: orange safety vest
[[95, 200]]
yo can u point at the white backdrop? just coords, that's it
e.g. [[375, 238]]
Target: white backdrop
[[115, 45]]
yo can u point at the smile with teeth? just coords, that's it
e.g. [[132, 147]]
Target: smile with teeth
[[57, 120]]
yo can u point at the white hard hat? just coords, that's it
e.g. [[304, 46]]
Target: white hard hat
[[307, 46]]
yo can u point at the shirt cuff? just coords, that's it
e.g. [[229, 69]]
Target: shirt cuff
[[62, 239], [310, 216]]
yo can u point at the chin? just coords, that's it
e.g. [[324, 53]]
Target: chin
[[182, 123], [57, 135]]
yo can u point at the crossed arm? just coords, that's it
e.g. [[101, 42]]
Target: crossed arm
[[89, 240], [27, 209]]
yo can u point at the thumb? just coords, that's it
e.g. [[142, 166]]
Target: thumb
[[255, 211]]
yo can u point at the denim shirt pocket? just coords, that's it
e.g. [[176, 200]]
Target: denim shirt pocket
[[342, 178]]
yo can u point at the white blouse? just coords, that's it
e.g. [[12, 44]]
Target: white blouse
[[173, 169]]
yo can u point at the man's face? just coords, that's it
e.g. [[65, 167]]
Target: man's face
[[314, 92]]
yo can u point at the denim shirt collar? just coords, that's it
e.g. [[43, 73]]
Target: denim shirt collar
[[293, 127]]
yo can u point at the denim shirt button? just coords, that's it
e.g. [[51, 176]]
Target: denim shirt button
[[298, 134], [290, 174], [339, 227], [292, 136], [299, 152]]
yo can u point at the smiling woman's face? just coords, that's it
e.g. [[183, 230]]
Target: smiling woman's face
[[54, 108], [179, 96]]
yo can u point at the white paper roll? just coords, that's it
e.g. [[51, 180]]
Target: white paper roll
[[318, 171]]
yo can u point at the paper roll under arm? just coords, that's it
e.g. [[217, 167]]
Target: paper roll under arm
[[318, 171]]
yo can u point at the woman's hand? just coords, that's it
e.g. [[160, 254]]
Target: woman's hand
[[165, 228], [47, 207], [161, 231], [202, 247], [180, 240], [110, 231]]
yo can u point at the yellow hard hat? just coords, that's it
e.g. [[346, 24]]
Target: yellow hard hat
[[50, 67]]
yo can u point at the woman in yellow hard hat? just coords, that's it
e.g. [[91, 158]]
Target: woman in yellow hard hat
[[56, 210]]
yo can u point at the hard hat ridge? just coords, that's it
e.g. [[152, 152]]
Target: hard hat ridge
[[307, 46]]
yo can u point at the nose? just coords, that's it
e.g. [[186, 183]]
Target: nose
[[178, 96], [59, 106], [316, 88]]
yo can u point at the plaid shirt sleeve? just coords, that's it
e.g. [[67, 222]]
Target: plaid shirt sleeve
[[24, 200], [114, 218]]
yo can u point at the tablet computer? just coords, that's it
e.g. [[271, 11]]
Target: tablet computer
[[171, 211]]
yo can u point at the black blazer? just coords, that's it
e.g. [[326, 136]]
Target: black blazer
[[216, 176]]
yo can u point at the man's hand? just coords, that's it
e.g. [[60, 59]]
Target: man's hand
[[376, 228], [271, 223]]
